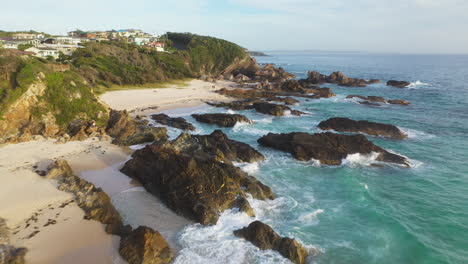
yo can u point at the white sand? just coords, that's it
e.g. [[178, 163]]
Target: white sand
[[170, 97]]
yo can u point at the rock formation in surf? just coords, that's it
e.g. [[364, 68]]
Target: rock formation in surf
[[314, 77], [398, 84], [177, 122], [328, 148], [275, 109], [264, 237], [194, 175], [342, 124], [222, 120]]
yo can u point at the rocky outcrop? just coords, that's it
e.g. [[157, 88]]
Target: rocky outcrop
[[378, 99], [127, 131], [222, 120], [12, 255], [18, 122], [216, 146], [177, 122], [342, 124], [145, 246], [285, 100], [328, 148], [398, 84], [369, 103], [314, 77], [195, 179], [275, 109], [95, 203], [237, 105], [398, 102], [264, 237]]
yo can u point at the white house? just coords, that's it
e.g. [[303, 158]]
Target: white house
[[44, 52]]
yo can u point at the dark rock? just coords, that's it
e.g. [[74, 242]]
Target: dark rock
[[128, 131], [144, 245], [285, 100], [377, 99], [216, 146], [399, 84], [177, 122], [93, 201], [274, 109], [368, 103], [237, 105], [328, 148], [265, 238], [193, 180], [339, 78], [371, 128], [12, 255], [356, 96], [400, 102], [222, 120]]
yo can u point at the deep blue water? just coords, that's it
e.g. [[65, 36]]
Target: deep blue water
[[356, 213]]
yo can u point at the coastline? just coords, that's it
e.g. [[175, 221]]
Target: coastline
[[33, 207]]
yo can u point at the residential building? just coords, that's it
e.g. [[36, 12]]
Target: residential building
[[44, 52], [158, 46]]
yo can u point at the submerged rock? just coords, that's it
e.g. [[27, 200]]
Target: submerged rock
[[275, 109], [193, 176], [222, 120], [264, 237], [342, 124], [177, 122], [328, 148], [144, 245], [127, 131], [237, 105], [285, 100], [377, 99], [399, 84], [369, 103]]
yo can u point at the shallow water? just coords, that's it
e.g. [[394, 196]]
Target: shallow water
[[355, 213]]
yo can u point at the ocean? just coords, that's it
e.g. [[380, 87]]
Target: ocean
[[356, 213]]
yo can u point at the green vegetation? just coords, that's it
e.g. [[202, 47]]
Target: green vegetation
[[67, 96], [24, 47], [99, 67]]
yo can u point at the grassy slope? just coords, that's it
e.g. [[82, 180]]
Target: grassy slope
[[110, 65]]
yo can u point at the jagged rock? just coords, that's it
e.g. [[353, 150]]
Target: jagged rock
[[177, 122], [222, 120], [371, 128], [377, 99], [127, 131], [328, 148], [275, 109], [12, 255], [400, 102], [264, 237], [191, 175], [237, 105], [399, 84], [145, 246], [339, 78], [285, 100], [93, 201], [216, 146], [368, 103], [356, 96]]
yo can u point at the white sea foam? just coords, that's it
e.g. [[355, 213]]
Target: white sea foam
[[139, 146], [310, 217], [217, 243], [266, 120], [414, 134], [358, 159], [417, 84], [231, 112], [249, 168]]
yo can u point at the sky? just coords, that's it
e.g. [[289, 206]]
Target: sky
[[395, 26]]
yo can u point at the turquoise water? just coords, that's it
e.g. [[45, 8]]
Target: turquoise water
[[356, 213]]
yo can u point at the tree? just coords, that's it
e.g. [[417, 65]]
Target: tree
[[24, 47]]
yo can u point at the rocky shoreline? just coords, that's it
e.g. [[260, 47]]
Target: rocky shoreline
[[194, 175]]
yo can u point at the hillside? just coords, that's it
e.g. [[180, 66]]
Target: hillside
[[38, 96]]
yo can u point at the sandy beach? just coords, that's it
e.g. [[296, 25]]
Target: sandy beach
[[41, 218], [195, 93]]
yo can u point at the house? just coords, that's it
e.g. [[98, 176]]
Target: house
[[44, 52], [141, 40], [158, 46], [90, 35], [24, 36], [10, 43]]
